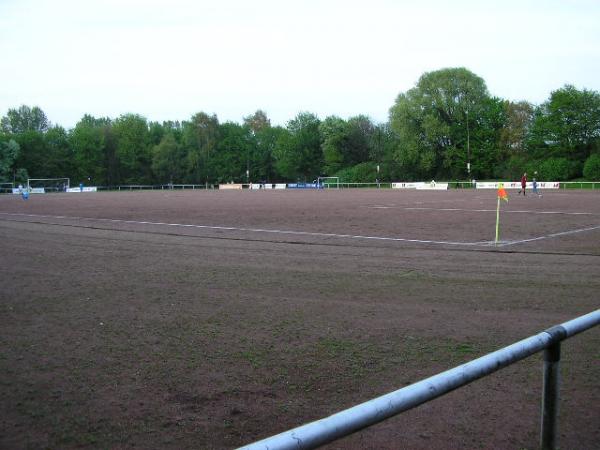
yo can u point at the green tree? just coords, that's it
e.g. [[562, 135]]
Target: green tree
[[333, 132], [232, 155], [519, 120], [9, 151], [88, 141], [384, 143], [257, 121], [59, 155], [33, 154], [346, 143], [486, 154], [360, 173], [434, 122], [591, 168], [263, 138], [168, 160], [572, 120], [200, 138], [133, 149], [558, 169], [360, 131], [24, 119], [298, 153]]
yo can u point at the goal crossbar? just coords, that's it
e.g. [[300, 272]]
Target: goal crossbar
[[63, 183], [328, 182]]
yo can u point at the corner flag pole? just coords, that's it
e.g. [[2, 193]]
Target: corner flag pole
[[497, 220], [504, 196]]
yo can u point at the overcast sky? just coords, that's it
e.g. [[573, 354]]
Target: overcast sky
[[168, 59]]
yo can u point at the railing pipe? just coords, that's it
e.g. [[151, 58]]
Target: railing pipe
[[346, 422], [550, 398]]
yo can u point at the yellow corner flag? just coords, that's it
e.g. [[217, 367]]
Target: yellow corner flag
[[504, 196]]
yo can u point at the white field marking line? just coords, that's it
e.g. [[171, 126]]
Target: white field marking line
[[261, 230], [548, 236], [493, 210]]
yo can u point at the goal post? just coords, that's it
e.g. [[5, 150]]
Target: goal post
[[49, 184], [7, 187], [329, 182]]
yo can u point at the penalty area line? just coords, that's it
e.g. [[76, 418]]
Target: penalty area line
[[260, 230], [514, 211], [549, 236]]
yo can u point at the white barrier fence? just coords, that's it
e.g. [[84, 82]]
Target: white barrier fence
[[42, 190], [422, 185], [517, 185], [83, 189]]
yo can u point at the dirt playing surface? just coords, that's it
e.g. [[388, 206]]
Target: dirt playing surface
[[211, 319]]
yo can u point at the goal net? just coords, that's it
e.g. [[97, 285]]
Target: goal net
[[6, 187], [48, 184], [329, 182]]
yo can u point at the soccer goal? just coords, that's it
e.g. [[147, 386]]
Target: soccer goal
[[329, 182], [48, 184], [6, 187]]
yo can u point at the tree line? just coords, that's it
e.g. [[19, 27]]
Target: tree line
[[447, 126]]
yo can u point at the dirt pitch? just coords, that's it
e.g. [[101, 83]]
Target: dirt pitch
[[195, 319]]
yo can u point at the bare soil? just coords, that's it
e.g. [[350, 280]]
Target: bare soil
[[207, 319]]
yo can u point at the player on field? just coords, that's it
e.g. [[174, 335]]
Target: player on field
[[523, 183]]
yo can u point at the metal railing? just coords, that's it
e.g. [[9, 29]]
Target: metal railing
[[346, 422], [580, 185]]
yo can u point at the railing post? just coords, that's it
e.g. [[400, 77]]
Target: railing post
[[550, 398]]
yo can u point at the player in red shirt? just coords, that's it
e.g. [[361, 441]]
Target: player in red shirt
[[523, 183]]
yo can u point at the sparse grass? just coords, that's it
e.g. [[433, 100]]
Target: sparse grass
[[212, 340]]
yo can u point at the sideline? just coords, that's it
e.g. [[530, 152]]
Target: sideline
[[548, 236], [257, 230], [517, 211], [502, 243]]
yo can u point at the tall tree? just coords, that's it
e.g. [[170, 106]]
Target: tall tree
[[434, 122], [298, 154], [33, 153], [232, 156], [25, 119], [9, 151], [168, 160], [519, 119], [200, 137], [133, 149], [334, 137], [265, 142], [257, 121], [58, 153], [568, 124], [384, 143], [88, 141], [360, 132]]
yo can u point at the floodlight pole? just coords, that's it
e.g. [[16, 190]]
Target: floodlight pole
[[468, 148]]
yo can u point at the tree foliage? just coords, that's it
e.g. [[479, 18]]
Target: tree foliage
[[435, 120], [24, 119], [298, 153], [133, 151], [200, 137], [572, 118], [446, 127], [168, 158], [9, 151], [591, 168]]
